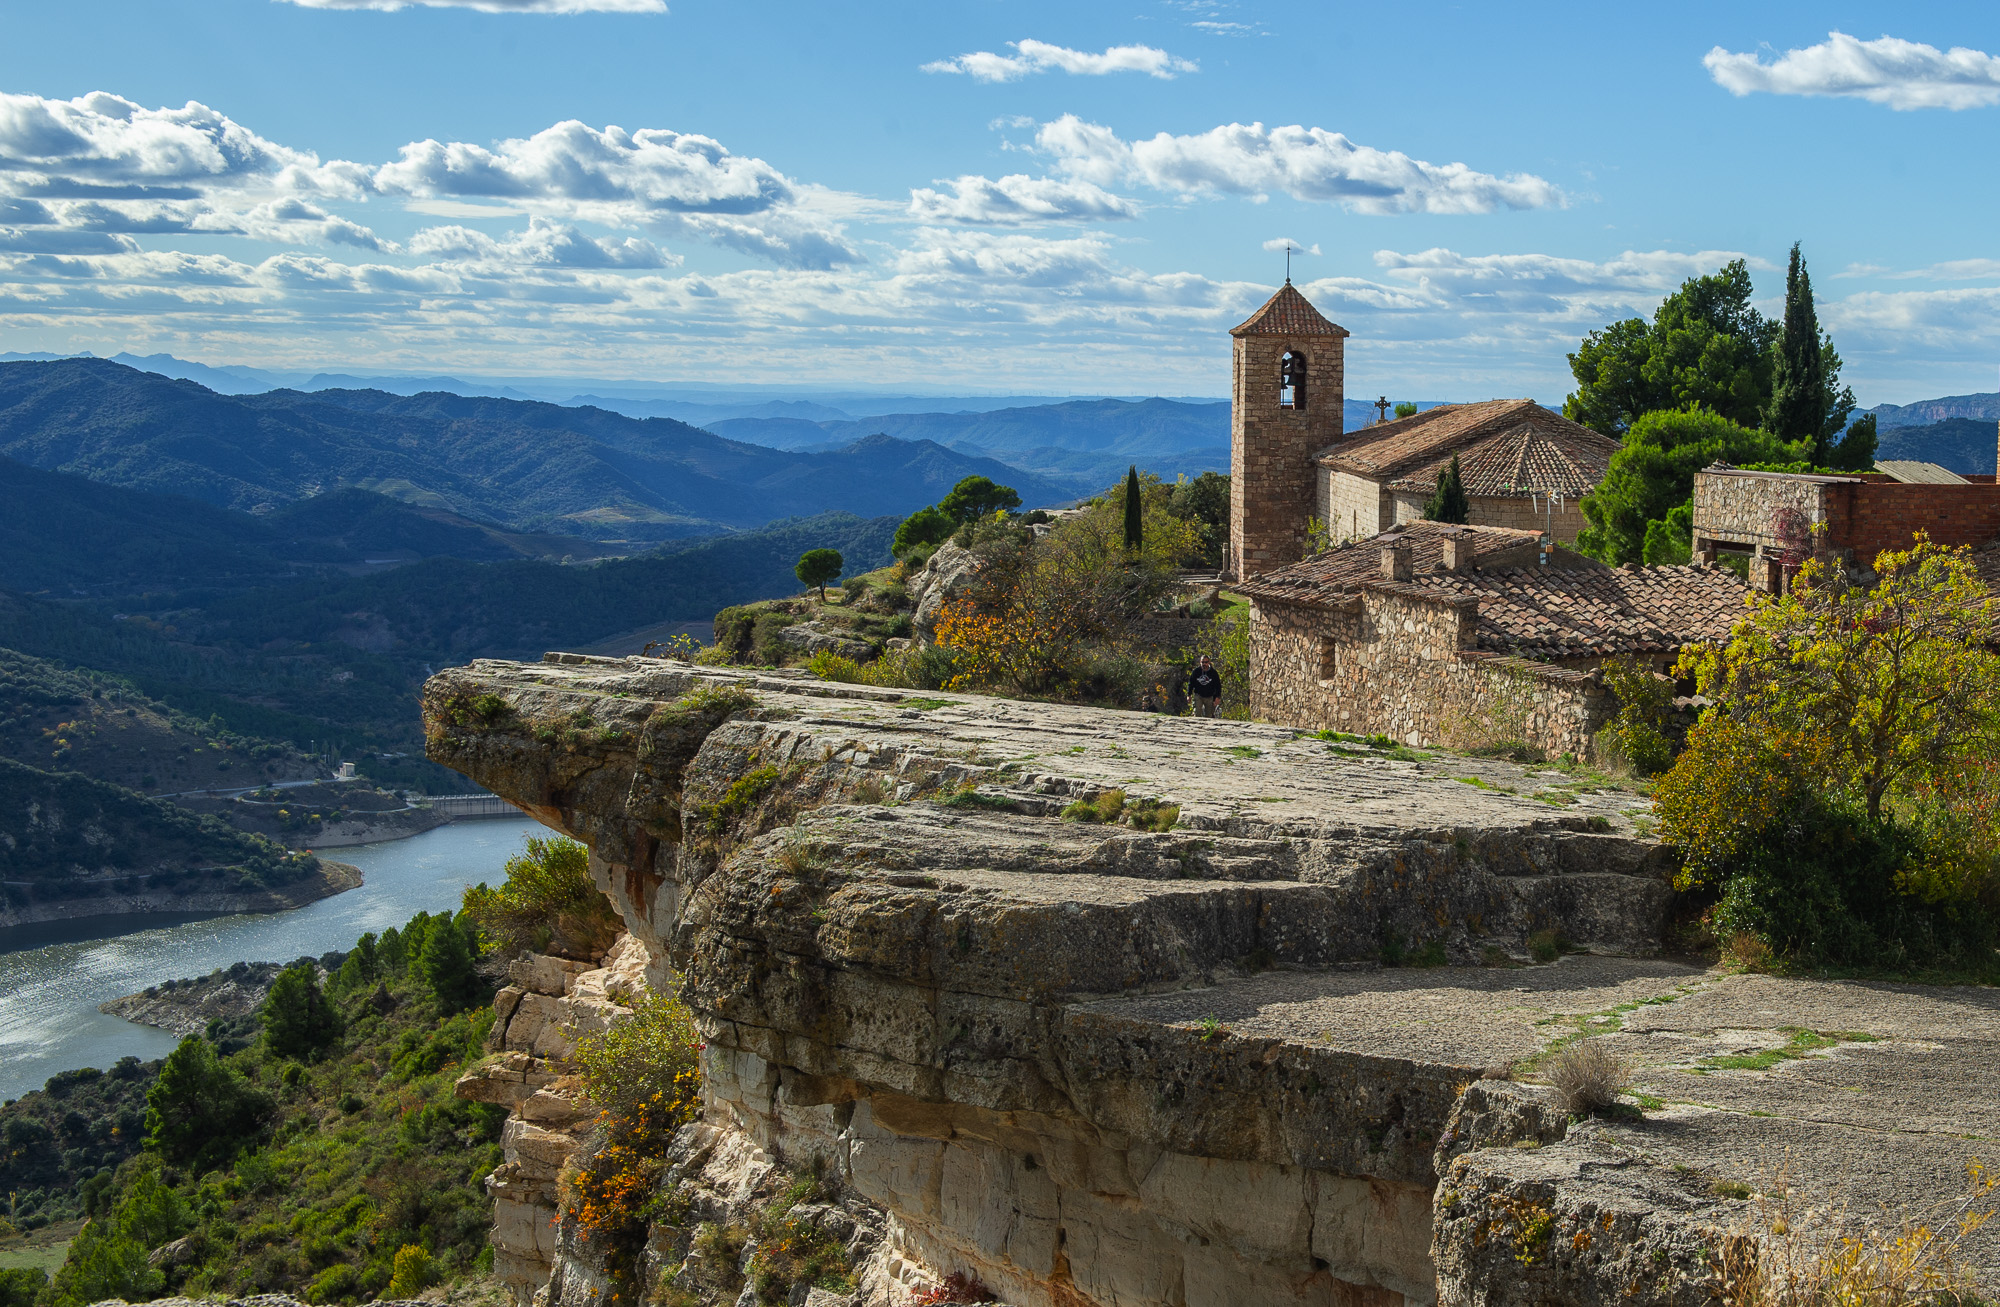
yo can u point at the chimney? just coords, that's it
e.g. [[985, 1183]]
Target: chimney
[[1397, 563], [1458, 552]]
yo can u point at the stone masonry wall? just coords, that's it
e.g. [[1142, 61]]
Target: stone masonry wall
[[1353, 507], [1744, 510], [1395, 662], [1272, 488]]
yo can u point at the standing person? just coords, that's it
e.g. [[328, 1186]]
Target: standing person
[[1205, 688]]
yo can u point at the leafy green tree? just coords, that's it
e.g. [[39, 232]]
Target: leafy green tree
[[1135, 513], [1670, 540], [1855, 451], [977, 496], [1447, 502], [818, 566], [20, 1286], [200, 1112], [446, 965], [1406, 410], [1654, 474], [547, 903], [1706, 346], [1204, 502], [926, 526], [299, 1022]]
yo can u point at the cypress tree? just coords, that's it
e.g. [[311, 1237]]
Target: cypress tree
[[1134, 524], [1448, 503], [1798, 372]]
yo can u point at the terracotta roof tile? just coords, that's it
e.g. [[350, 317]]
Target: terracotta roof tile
[[1288, 313], [1573, 608], [1505, 447]]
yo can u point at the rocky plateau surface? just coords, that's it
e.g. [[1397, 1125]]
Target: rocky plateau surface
[[1098, 1008]]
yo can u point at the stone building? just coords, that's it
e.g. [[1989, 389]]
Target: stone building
[[1442, 635], [1291, 462], [1781, 519], [1522, 465], [1287, 388]]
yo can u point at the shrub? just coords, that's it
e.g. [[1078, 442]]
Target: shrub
[[645, 1071], [1587, 1075], [547, 903], [413, 1272], [830, 666], [1638, 734], [1108, 806]]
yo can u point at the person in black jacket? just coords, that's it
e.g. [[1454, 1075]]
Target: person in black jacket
[[1205, 688]]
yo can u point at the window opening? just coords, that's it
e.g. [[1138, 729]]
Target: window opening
[[1292, 380]]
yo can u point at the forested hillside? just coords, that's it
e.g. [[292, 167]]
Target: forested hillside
[[1964, 445]]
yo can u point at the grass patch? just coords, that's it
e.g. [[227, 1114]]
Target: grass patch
[[1801, 1043], [969, 797], [1243, 750], [1106, 808], [925, 705]]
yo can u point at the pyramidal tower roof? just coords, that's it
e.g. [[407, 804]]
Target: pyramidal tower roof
[[1288, 313]]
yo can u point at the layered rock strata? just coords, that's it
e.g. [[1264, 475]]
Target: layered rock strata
[[1147, 1054]]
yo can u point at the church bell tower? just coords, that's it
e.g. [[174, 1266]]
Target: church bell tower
[[1287, 390]]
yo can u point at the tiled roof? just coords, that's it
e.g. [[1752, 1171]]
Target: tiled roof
[[1343, 570], [1287, 313], [1505, 447], [1573, 608]]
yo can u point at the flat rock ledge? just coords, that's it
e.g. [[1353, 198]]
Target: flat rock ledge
[[1161, 1060]]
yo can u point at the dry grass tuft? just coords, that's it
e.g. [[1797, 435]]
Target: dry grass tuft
[[1587, 1076], [1918, 1260]]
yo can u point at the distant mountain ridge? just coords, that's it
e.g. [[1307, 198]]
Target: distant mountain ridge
[[1964, 445], [522, 465], [1981, 407]]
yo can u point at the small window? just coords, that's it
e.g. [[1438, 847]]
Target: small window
[[1292, 380]]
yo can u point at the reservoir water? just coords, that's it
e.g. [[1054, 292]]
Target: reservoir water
[[53, 976]]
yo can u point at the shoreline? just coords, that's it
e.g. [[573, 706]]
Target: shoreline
[[332, 878]]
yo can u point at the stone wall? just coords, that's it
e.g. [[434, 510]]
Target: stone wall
[[1353, 507], [1396, 661], [1273, 486], [1523, 514]]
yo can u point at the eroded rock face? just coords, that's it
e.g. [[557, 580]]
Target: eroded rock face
[[1032, 1042]]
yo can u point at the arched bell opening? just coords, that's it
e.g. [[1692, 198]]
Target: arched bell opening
[[1292, 380]]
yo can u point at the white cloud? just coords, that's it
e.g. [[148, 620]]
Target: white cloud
[[1307, 163], [1279, 244], [1016, 200], [1041, 57], [1888, 70], [543, 244], [499, 6], [106, 145]]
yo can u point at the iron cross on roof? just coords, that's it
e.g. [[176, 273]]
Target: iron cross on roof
[[1382, 410]]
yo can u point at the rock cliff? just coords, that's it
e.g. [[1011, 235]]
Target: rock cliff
[[1091, 1007]]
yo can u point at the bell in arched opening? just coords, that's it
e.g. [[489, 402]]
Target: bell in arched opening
[[1292, 380]]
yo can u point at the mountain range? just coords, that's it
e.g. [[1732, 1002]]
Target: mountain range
[[522, 466]]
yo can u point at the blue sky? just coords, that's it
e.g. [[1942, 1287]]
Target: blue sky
[[1050, 198]]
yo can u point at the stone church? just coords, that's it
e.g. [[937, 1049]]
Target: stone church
[[1523, 466], [1435, 634]]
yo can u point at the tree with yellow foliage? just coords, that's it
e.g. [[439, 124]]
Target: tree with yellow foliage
[[1841, 785]]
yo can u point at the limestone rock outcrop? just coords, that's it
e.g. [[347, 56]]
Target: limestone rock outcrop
[[1105, 1008]]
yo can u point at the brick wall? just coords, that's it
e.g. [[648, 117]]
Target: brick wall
[[1886, 514], [1273, 487], [1395, 661]]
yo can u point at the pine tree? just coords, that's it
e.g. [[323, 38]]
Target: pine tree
[[298, 1020], [1134, 522], [446, 966], [1448, 503], [200, 1111], [1798, 408]]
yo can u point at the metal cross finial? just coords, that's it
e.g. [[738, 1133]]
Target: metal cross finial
[[1288, 263]]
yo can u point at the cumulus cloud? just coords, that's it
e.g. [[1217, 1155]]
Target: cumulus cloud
[[1307, 163], [1031, 57], [1279, 244], [500, 6], [106, 145], [1016, 200], [1901, 74]]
